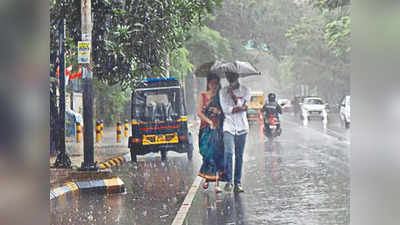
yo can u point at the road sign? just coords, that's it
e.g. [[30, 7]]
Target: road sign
[[84, 52]]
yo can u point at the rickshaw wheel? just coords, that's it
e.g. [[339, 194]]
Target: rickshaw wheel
[[133, 157]]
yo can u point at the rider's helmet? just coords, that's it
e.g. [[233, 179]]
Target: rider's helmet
[[271, 97]]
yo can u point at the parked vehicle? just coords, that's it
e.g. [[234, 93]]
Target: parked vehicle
[[344, 111], [159, 120], [71, 118], [256, 103], [313, 107]]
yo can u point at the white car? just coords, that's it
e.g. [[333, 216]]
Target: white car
[[313, 107], [344, 111]]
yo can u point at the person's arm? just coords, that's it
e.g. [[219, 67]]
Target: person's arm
[[247, 97], [233, 96], [200, 108], [246, 100], [279, 109], [263, 107]]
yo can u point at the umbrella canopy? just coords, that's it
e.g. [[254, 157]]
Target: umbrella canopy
[[244, 69]]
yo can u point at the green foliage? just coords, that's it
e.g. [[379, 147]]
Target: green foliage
[[132, 38], [308, 42], [337, 35], [179, 63], [329, 4], [263, 22], [206, 45], [306, 37], [320, 48], [112, 102]]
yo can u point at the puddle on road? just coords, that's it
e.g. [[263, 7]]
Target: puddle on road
[[290, 181], [154, 193]]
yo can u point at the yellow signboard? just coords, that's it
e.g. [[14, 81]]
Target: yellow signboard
[[154, 139], [83, 52]]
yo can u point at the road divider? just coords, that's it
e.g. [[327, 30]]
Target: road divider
[[117, 161], [69, 189], [78, 132], [126, 128], [118, 132], [98, 132]]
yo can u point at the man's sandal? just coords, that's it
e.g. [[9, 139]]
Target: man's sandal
[[205, 185]]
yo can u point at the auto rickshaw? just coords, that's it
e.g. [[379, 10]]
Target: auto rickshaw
[[159, 119], [254, 106]]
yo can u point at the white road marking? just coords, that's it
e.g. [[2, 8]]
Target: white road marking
[[184, 209]]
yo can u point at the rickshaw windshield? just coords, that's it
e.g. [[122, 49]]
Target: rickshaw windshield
[[257, 99], [156, 104]]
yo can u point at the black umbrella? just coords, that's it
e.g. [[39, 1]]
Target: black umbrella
[[244, 69]]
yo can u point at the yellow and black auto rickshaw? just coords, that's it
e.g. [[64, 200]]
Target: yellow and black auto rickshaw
[[254, 106], [159, 121]]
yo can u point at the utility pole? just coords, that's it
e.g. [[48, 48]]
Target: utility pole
[[53, 109], [71, 98], [62, 160], [88, 149]]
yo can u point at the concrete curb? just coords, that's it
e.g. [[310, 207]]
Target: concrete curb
[[116, 161], [69, 189], [111, 185]]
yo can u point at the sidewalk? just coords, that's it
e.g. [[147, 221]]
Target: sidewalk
[[107, 149], [108, 153]]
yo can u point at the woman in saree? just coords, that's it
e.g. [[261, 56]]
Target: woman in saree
[[210, 134]]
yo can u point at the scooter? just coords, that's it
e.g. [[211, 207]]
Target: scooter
[[271, 128]]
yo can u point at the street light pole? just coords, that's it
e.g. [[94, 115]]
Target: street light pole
[[86, 27]]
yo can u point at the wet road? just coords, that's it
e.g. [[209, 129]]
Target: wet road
[[301, 178], [334, 127], [154, 193]]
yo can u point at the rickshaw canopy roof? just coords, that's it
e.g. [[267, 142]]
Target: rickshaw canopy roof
[[257, 93], [155, 83]]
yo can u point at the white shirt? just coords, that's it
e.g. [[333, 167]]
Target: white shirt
[[235, 123]]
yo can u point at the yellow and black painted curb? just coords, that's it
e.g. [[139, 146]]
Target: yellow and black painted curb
[[71, 189], [117, 161]]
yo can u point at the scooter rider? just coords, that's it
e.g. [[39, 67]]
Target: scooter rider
[[272, 107]]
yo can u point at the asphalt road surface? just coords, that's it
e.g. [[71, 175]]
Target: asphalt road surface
[[302, 177]]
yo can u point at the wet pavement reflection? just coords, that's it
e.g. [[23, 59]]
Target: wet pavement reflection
[[154, 193], [301, 177]]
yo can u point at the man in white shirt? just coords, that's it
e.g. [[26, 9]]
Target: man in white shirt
[[234, 99]]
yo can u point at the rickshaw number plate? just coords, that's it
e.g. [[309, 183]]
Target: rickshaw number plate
[[155, 139]]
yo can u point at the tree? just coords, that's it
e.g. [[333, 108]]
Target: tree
[[207, 45], [111, 102], [180, 64], [329, 4], [261, 21], [337, 36], [305, 42], [131, 39], [320, 48]]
